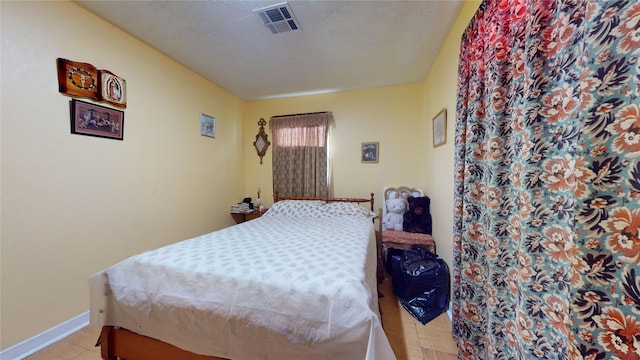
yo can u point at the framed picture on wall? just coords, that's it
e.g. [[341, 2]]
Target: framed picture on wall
[[207, 125], [95, 120], [370, 152], [440, 128], [78, 79], [113, 89]]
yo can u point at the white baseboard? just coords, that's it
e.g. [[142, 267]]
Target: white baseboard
[[450, 312], [45, 338]]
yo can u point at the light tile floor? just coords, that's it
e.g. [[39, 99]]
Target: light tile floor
[[410, 339]]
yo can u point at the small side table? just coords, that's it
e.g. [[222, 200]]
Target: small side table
[[242, 217]]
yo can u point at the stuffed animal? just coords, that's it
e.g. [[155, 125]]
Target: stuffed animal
[[394, 216], [418, 217]]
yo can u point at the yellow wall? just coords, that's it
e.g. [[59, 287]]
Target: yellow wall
[[390, 115], [440, 88], [71, 204]]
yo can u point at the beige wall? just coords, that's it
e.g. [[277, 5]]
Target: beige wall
[[71, 204], [390, 115]]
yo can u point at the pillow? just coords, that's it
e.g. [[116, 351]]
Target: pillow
[[295, 208], [318, 208], [335, 208], [418, 217]]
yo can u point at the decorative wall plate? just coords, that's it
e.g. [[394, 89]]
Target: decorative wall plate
[[78, 79], [113, 89]]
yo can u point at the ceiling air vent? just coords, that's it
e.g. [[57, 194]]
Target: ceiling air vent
[[278, 18]]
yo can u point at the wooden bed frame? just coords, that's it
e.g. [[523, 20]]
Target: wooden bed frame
[[119, 343]]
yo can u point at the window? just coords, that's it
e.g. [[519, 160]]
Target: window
[[301, 154]]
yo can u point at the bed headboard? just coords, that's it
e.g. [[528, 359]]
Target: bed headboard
[[277, 197]]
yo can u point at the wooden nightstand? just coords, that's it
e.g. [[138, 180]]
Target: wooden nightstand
[[242, 217]]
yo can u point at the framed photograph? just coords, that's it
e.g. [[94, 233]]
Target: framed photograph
[[207, 125], [440, 128], [95, 120], [370, 152]]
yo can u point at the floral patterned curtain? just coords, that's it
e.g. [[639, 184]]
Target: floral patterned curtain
[[547, 181], [301, 155]]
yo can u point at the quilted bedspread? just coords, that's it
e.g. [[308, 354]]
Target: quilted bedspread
[[278, 287]]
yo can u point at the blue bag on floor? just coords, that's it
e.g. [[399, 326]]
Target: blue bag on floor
[[393, 260], [421, 284]]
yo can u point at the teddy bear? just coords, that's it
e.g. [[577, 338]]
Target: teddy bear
[[418, 217], [394, 216]]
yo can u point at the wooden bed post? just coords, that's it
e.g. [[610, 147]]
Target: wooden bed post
[[106, 352]]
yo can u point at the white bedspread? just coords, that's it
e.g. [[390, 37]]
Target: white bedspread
[[247, 292]]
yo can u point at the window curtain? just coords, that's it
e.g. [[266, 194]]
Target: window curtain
[[301, 154], [547, 182]]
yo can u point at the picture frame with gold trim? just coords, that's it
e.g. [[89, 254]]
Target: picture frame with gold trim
[[370, 152], [440, 128]]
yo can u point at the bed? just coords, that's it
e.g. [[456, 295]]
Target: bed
[[297, 283]]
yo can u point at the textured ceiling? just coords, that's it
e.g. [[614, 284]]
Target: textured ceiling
[[341, 45]]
